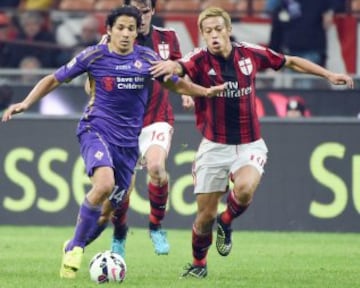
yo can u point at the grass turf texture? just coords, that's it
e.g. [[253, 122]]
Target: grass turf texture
[[30, 257]]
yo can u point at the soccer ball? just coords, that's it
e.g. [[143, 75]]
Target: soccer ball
[[107, 267]]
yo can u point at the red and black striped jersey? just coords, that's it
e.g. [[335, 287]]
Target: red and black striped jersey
[[165, 42], [230, 117]]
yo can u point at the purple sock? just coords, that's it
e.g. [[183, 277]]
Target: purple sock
[[87, 221], [96, 233]]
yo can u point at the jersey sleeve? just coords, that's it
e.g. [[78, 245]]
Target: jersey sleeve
[[189, 63], [265, 57], [276, 60], [75, 67], [176, 52]]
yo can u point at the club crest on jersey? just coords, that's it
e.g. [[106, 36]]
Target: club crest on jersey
[[138, 64], [246, 66], [164, 50], [99, 155]]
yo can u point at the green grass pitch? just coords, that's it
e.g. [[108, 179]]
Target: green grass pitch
[[30, 257]]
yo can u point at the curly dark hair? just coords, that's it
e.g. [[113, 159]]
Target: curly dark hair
[[127, 10]]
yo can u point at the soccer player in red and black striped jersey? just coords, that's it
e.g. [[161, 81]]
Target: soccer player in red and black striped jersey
[[232, 147], [154, 140]]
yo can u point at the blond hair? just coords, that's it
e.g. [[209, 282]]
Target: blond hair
[[214, 12]]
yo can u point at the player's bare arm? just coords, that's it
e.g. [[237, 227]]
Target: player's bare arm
[[182, 86], [160, 68], [305, 66], [41, 89], [169, 68]]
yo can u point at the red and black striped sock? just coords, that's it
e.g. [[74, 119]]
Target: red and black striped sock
[[158, 197], [233, 209], [200, 246], [119, 219]]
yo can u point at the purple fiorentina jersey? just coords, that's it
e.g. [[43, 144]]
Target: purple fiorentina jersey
[[119, 92]]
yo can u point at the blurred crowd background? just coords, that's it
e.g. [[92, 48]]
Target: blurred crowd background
[[46, 33], [36, 36]]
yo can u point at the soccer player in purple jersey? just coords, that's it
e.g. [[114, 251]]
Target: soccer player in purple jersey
[[232, 147], [111, 123], [154, 140]]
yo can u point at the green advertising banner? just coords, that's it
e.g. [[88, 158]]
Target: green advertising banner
[[311, 181]]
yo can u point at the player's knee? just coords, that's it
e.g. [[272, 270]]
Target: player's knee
[[244, 192], [155, 169], [105, 188], [157, 173]]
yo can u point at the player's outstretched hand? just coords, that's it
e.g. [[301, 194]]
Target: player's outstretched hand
[[161, 68], [341, 79], [13, 109], [215, 90]]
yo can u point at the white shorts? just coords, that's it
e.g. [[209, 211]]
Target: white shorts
[[158, 133], [215, 162]]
